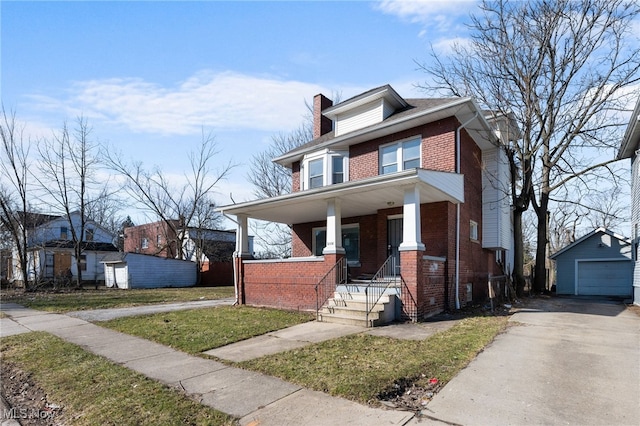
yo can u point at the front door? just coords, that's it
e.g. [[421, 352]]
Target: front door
[[61, 263], [394, 238]]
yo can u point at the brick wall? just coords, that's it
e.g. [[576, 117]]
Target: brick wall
[[166, 247], [284, 284], [295, 177]]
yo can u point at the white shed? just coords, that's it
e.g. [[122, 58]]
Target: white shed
[[132, 270]]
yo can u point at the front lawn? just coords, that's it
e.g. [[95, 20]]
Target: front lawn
[[198, 330], [89, 390], [77, 300], [368, 368]]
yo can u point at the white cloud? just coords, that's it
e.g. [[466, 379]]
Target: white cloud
[[226, 100], [444, 46], [439, 14]]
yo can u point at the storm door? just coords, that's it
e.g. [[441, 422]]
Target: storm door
[[394, 238]]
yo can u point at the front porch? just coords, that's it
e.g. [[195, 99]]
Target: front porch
[[369, 228]]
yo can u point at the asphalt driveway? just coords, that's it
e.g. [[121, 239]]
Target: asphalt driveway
[[563, 361]]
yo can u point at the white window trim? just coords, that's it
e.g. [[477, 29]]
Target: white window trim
[[327, 167], [399, 157], [474, 236]]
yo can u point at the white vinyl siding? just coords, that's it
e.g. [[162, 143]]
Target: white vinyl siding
[[360, 117], [635, 219], [496, 211], [142, 271]]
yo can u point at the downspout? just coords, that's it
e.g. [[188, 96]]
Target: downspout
[[457, 279], [235, 268]]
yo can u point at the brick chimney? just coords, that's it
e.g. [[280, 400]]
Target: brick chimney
[[321, 124]]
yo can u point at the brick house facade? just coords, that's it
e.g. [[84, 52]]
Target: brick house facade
[[419, 182]]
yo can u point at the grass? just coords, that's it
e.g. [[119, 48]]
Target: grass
[[363, 367], [94, 391], [198, 330], [78, 300]]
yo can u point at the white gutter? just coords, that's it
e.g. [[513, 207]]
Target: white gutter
[[457, 279], [235, 268]]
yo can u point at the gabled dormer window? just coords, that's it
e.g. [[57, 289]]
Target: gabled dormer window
[[324, 168], [398, 156]]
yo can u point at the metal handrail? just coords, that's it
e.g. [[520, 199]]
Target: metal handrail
[[410, 309], [380, 282], [329, 282]]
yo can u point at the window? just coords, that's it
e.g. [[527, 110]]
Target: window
[[324, 168], [337, 166], [400, 156], [64, 233], [473, 230], [158, 239], [88, 234], [316, 178], [83, 262], [350, 241], [145, 243]]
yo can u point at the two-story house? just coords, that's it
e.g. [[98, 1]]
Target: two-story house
[[51, 249], [413, 189], [630, 148]]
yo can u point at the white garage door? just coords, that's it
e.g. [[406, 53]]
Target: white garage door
[[604, 278]]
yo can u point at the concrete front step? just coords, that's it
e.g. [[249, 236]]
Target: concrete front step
[[351, 309], [348, 320]]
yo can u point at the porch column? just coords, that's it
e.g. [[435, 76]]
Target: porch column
[[411, 231], [334, 228], [242, 237]]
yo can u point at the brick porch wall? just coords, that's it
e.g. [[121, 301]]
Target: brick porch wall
[[284, 284]]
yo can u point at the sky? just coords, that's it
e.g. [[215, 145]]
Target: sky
[[151, 76]]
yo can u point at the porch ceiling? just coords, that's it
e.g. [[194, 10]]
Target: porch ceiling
[[357, 198]]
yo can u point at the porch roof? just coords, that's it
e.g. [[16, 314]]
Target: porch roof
[[358, 198]]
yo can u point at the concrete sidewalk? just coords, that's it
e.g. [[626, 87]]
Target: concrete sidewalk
[[252, 397]]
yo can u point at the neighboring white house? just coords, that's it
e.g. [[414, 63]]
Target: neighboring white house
[[630, 148], [51, 249]]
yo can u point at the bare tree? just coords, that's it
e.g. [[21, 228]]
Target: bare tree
[[14, 188], [562, 68], [271, 180], [177, 205], [68, 164]]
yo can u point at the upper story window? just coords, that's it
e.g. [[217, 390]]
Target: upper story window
[[64, 233], [316, 175], [145, 243], [88, 234], [324, 168], [400, 156]]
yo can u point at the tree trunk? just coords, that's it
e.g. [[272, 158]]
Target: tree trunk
[[518, 253], [540, 276]]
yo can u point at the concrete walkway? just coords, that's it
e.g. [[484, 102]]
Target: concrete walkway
[[252, 397], [564, 361]]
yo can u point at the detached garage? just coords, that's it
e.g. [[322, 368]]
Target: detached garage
[[132, 270], [598, 264]]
